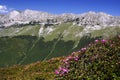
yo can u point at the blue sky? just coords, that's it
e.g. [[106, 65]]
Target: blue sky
[[63, 6]]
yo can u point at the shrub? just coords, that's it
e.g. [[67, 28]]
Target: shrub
[[99, 61]]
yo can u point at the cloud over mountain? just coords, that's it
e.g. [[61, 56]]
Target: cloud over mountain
[[3, 9]]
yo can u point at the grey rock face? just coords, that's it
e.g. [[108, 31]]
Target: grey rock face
[[91, 19]]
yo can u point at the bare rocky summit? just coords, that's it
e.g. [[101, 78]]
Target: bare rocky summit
[[90, 19]]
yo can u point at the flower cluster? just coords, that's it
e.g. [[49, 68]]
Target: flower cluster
[[61, 71], [74, 57], [96, 58], [64, 68], [102, 41]]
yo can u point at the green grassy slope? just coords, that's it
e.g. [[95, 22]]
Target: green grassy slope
[[17, 31], [35, 71], [12, 49], [107, 32], [25, 49]]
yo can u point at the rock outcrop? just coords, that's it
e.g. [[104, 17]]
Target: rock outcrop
[[90, 19]]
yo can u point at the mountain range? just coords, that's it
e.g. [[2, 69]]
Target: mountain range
[[31, 16]]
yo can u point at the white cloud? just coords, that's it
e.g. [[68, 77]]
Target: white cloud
[[4, 9]]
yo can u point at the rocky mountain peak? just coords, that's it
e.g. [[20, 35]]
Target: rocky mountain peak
[[86, 19], [14, 14]]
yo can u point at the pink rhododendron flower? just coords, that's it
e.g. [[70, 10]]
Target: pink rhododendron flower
[[79, 51], [57, 72], [64, 70], [83, 49], [69, 57], [73, 53], [60, 68], [96, 41], [103, 41], [76, 58], [66, 62]]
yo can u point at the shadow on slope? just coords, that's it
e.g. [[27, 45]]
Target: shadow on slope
[[20, 49]]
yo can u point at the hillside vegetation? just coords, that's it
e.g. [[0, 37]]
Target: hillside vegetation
[[31, 43], [100, 60], [28, 49]]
